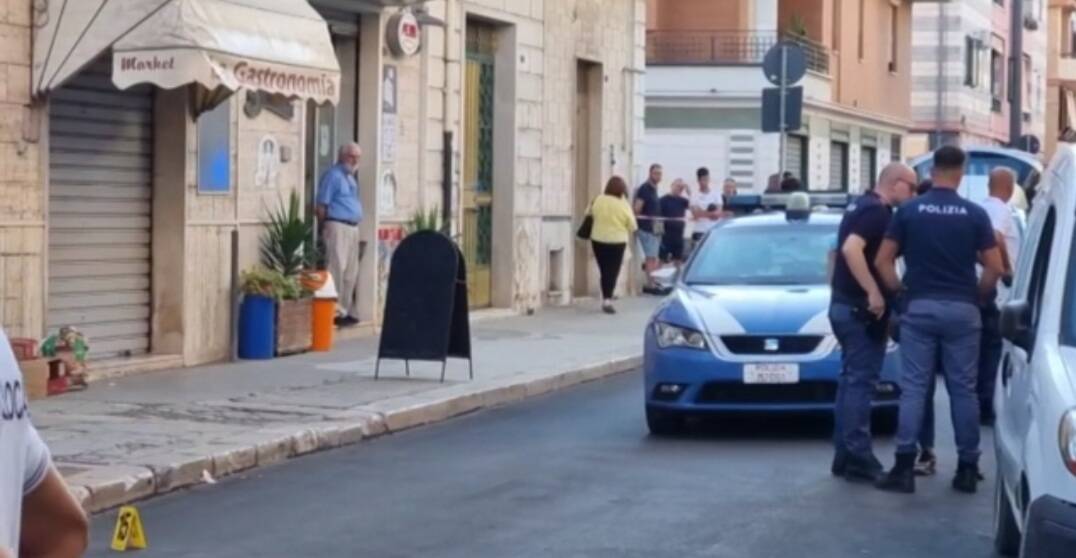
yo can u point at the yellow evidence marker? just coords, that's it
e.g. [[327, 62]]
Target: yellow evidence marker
[[129, 532]]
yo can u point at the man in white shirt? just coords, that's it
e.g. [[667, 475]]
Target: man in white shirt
[[1002, 184], [706, 206], [38, 516]]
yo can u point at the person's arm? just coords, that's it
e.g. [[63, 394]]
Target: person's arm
[[639, 205], [854, 252], [1003, 248], [886, 264], [326, 191], [53, 523], [831, 264], [629, 220]]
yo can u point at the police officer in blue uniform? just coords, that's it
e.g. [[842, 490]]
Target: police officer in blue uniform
[[941, 237], [859, 315]]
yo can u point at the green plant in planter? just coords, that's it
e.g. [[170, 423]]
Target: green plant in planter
[[270, 283], [424, 221], [288, 245]]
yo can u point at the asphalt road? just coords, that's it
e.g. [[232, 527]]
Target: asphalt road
[[572, 475]]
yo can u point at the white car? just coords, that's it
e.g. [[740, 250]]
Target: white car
[[1035, 431]]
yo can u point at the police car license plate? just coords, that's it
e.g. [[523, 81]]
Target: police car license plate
[[770, 373]]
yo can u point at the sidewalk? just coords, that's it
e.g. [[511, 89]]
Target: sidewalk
[[134, 437]]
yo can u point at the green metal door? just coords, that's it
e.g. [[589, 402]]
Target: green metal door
[[477, 196]]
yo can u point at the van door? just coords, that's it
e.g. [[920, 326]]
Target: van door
[[1015, 371]]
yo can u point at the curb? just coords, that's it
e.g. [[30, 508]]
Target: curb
[[113, 486]]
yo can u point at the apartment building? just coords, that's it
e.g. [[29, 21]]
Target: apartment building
[[704, 86], [1061, 74], [962, 71]]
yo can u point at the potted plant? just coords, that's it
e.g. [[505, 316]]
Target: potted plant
[[261, 289], [287, 249], [424, 221]]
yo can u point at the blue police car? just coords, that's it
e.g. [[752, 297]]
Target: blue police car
[[746, 328]]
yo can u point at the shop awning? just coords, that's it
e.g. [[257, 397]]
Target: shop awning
[[276, 46]]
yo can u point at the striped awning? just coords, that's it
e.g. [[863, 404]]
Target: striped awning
[[277, 46]]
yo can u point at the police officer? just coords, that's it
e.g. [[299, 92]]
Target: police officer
[[38, 516], [858, 313], [941, 237]]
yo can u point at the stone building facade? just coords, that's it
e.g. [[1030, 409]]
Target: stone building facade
[[507, 120]]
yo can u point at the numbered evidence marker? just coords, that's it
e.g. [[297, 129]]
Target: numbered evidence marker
[[129, 533]]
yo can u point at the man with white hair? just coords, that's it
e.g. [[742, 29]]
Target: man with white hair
[[339, 212]]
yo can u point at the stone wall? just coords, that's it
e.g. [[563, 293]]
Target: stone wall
[[22, 197]]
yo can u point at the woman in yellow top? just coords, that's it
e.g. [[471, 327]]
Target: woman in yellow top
[[614, 223]]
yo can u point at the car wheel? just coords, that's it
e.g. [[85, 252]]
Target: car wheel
[[885, 421], [664, 423], [1006, 533]]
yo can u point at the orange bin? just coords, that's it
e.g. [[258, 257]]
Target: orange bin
[[324, 314]]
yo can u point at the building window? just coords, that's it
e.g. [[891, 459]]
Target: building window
[[214, 150], [972, 69], [796, 157], [838, 166], [862, 23], [894, 37], [868, 167], [896, 148], [997, 79]]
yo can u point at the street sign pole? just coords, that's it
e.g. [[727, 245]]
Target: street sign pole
[[784, 118]]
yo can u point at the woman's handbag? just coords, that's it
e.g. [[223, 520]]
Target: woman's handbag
[[585, 228]]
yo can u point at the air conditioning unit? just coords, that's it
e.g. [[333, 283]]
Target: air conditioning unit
[[1031, 23]]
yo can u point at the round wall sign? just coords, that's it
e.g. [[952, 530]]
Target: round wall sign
[[404, 34]]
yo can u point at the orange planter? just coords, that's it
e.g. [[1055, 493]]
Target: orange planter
[[313, 280]]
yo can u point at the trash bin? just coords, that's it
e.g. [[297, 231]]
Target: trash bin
[[257, 327], [324, 315]]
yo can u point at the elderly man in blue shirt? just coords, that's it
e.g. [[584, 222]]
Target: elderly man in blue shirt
[[340, 212]]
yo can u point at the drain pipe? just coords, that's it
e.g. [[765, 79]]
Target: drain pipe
[[1016, 84], [942, 84]]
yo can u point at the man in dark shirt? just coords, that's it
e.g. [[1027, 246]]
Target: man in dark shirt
[[673, 209], [941, 237], [647, 209], [858, 314]]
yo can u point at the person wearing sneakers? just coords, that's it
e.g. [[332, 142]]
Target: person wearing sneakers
[[614, 223], [941, 237], [38, 515]]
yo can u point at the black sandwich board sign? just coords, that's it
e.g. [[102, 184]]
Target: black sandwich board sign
[[426, 311]]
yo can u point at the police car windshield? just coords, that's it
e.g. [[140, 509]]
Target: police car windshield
[[786, 254]]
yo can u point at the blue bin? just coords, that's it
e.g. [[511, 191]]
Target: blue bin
[[257, 327]]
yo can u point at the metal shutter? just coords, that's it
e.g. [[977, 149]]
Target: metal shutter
[[795, 153], [100, 188], [838, 166], [868, 172]]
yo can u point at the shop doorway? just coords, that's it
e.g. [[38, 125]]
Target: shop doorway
[[477, 192], [587, 153]]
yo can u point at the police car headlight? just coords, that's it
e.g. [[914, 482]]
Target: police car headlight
[[674, 336], [1067, 440]]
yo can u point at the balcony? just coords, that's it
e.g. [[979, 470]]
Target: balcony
[[725, 48]]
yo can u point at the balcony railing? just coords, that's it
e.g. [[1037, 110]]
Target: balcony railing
[[720, 48]]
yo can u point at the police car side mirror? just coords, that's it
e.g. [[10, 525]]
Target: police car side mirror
[[1016, 324]]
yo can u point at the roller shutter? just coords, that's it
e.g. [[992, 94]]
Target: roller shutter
[[100, 188]]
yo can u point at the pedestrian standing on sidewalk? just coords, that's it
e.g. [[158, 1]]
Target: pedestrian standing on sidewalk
[[339, 212], [673, 210], [941, 237], [614, 223], [706, 206], [647, 211], [859, 315], [729, 190], [38, 515]]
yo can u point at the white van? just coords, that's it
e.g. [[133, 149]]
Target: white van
[[1035, 431]]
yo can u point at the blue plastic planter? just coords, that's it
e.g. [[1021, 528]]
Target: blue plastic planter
[[257, 327]]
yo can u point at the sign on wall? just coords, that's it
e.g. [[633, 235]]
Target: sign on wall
[[389, 118], [404, 36]]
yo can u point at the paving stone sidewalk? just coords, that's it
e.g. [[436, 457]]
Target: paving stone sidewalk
[[131, 438]]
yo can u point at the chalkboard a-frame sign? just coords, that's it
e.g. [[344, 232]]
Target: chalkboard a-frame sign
[[426, 311]]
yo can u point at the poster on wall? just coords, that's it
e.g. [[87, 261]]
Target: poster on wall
[[389, 118], [265, 177], [386, 195]]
